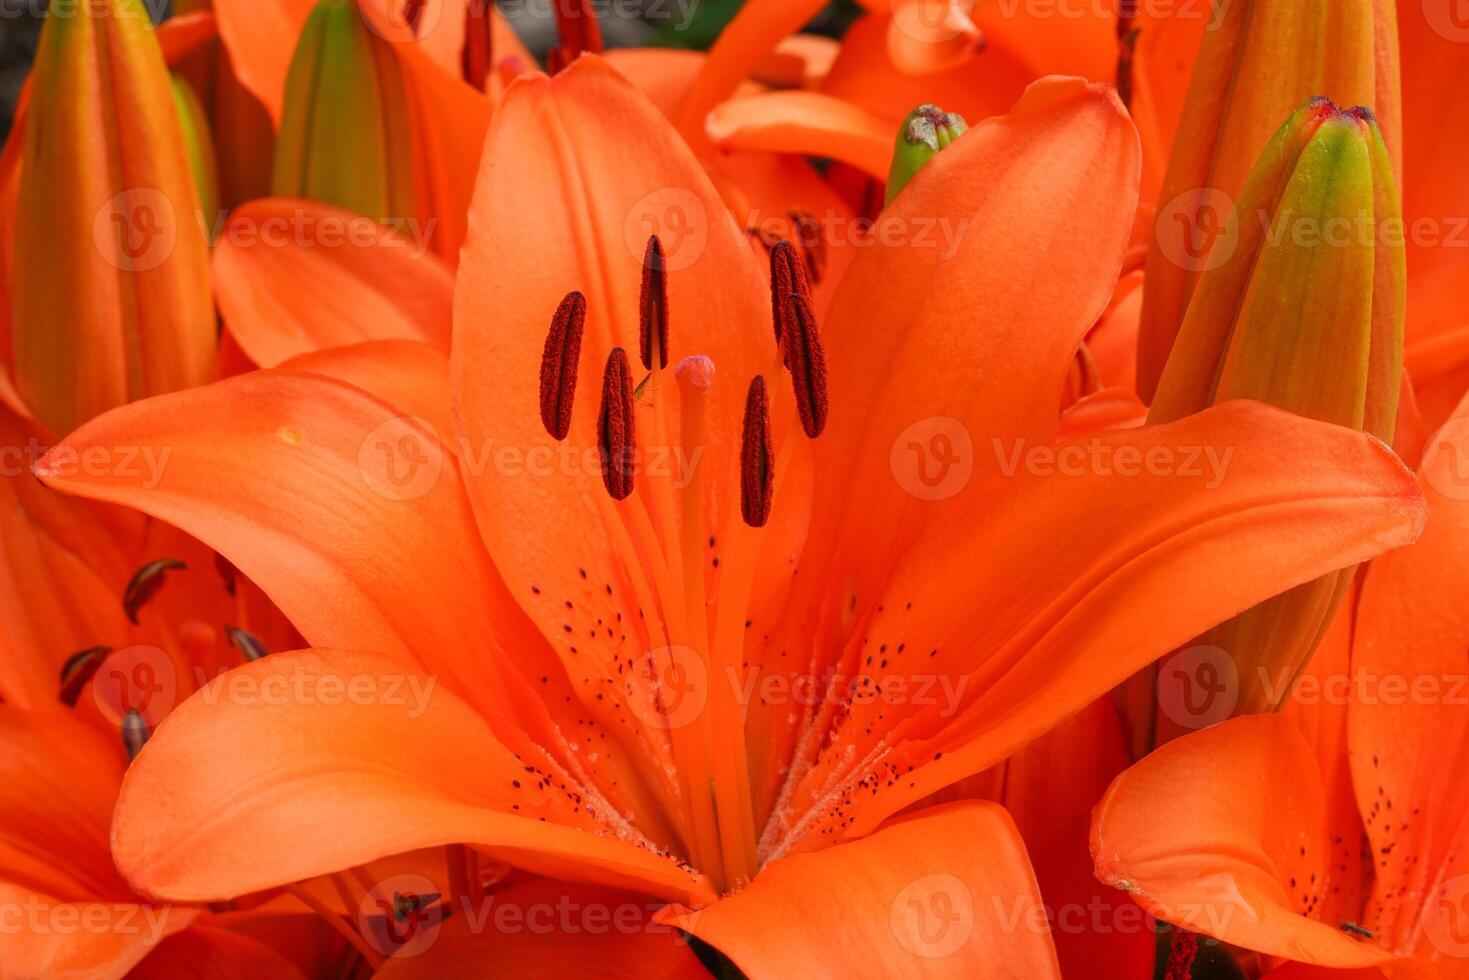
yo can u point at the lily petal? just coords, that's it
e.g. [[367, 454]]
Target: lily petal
[[1022, 239], [54, 837], [606, 934], [260, 36], [1412, 629], [946, 892], [410, 375], [344, 766], [581, 169], [323, 494], [293, 276], [805, 123], [980, 87], [118, 935], [1223, 832], [207, 952], [61, 569], [1039, 635], [930, 36]]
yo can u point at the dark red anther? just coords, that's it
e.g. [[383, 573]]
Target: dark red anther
[[145, 584], [1183, 949], [413, 14], [247, 643], [757, 459], [227, 572], [806, 357], [558, 364], [135, 733], [787, 278], [653, 306], [813, 243], [78, 670], [616, 438], [577, 27], [478, 53], [1127, 32]]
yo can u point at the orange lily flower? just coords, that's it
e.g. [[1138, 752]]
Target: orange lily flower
[[574, 623], [74, 709], [1246, 832], [970, 58], [68, 912]]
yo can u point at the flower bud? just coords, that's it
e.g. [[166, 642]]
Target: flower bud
[[199, 144], [1260, 59], [926, 130], [1305, 312], [346, 131], [111, 295]]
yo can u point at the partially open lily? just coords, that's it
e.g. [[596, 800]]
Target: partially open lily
[[110, 278], [1301, 305], [1258, 62], [583, 582], [1233, 831]]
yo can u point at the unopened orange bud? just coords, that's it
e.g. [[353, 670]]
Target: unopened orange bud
[[111, 295]]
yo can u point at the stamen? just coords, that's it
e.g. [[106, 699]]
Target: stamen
[[227, 573], [559, 362], [78, 670], [787, 278], [806, 357], [246, 642], [812, 241], [478, 54], [1127, 33], [616, 439], [413, 13], [757, 460], [577, 27], [697, 371], [135, 733], [145, 583], [653, 306], [1183, 949]]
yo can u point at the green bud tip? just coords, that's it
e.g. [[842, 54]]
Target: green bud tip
[[926, 131]]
